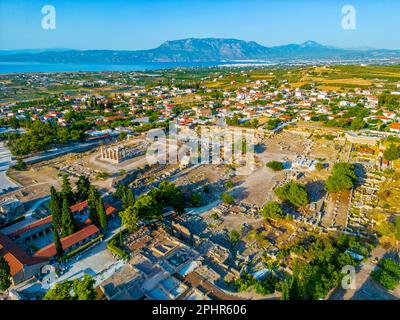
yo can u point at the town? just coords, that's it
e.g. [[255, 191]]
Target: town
[[84, 214]]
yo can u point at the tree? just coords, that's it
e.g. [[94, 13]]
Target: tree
[[234, 236], [342, 178], [67, 221], [55, 208], [92, 204], [66, 190], [61, 291], [147, 208], [275, 165], [5, 276], [167, 194], [84, 288], [101, 211], [20, 165], [337, 183], [120, 191], [128, 198], [195, 199], [294, 193], [227, 198], [83, 187], [272, 210], [79, 289], [357, 124], [392, 152], [386, 279], [130, 218], [57, 242], [122, 135], [319, 166]]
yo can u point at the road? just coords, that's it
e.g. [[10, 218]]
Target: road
[[366, 288]]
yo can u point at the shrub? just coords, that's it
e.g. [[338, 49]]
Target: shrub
[[275, 165]]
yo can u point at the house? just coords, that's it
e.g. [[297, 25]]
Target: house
[[22, 265], [81, 211], [69, 243], [366, 150], [395, 127], [204, 112]]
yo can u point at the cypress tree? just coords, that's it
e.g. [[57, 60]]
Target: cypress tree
[[55, 208], [92, 204], [57, 242], [66, 190], [67, 222], [102, 213], [83, 186], [128, 199]]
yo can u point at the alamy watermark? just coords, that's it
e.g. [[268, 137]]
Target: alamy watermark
[[349, 17], [49, 18]]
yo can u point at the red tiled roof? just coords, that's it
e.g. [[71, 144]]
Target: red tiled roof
[[79, 206], [31, 226], [109, 209], [395, 125], [15, 256], [82, 205], [50, 251]]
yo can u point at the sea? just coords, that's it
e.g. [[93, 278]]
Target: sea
[[25, 67]]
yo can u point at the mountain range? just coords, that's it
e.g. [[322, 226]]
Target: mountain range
[[199, 50]]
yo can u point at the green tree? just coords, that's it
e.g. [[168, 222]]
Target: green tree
[[60, 291], [84, 288], [293, 193], [227, 198], [92, 205], [128, 199], [120, 191], [234, 236], [122, 135], [195, 199], [385, 279], [272, 210], [57, 243], [5, 276], [55, 208], [101, 211], [392, 152], [167, 194], [342, 178], [66, 190], [357, 124], [129, 218], [275, 165], [67, 221], [20, 165], [147, 208], [83, 187], [337, 183]]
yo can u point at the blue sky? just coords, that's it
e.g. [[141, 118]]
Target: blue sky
[[131, 24]]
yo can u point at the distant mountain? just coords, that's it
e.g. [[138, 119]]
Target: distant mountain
[[199, 50], [24, 51]]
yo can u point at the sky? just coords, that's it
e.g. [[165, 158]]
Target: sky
[[145, 24]]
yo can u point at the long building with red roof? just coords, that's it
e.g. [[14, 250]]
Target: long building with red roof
[[24, 265]]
